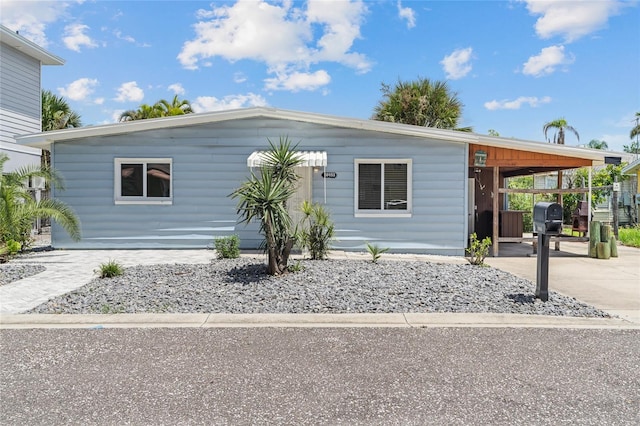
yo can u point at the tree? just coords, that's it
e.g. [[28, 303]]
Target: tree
[[422, 103], [176, 107], [597, 144], [634, 147], [265, 196], [162, 108], [18, 209], [56, 113], [561, 126]]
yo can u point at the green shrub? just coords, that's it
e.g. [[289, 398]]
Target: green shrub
[[630, 236], [295, 267], [375, 252], [317, 230], [110, 269], [478, 250], [228, 247]]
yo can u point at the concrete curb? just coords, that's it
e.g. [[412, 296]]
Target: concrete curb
[[399, 320]]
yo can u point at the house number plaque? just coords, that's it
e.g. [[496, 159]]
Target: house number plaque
[[329, 175]]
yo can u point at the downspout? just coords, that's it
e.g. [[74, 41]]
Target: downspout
[[589, 200]]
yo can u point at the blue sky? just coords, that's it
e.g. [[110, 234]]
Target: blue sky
[[514, 64]]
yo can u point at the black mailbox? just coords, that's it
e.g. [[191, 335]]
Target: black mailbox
[[547, 218]]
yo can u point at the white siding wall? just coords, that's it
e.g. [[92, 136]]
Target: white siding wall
[[209, 162]]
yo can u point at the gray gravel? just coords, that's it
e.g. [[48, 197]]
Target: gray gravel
[[10, 272], [331, 286]]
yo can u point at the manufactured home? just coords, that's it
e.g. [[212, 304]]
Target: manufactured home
[[165, 183]]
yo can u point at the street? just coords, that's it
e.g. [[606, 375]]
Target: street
[[319, 376]]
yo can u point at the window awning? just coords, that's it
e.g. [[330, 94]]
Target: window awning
[[309, 158]]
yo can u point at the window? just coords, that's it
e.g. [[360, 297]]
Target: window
[[143, 181], [383, 187]]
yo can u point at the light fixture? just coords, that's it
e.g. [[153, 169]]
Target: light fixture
[[480, 159]]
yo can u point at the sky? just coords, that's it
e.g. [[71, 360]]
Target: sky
[[515, 65]]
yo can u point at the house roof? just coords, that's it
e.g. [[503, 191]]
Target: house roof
[[631, 168], [28, 47], [45, 139]]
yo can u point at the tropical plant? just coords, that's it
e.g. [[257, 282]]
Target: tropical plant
[[561, 126], [18, 209], [375, 252], [634, 146], [56, 113], [228, 247], [597, 144], [162, 108], [317, 230], [422, 103], [175, 107], [478, 250], [636, 129], [265, 196]]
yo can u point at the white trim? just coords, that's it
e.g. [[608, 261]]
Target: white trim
[[144, 199], [383, 212], [28, 47]]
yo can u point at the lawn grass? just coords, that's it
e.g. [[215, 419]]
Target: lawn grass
[[630, 236]]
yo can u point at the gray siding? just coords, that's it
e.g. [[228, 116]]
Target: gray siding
[[209, 162], [19, 93]]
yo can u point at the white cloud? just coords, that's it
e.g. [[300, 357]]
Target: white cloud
[[408, 14], [31, 18], [279, 35], [129, 92], [98, 101], [456, 65], [571, 19], [123, 37], [239, 77], [532, 101], [296, 81], [79, 90], [177, 89], [75, 37], [547, 61], [211, 103]]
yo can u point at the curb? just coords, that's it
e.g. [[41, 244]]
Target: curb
[[397, 320]]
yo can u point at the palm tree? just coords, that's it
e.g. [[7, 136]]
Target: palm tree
[[176, 107], [18, 209], [422, 103], [56, 113], [265, 197], [597, 144], [560, 125], [143, 112], [636, 130]]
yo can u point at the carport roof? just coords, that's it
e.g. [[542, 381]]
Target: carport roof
[[45, 139]]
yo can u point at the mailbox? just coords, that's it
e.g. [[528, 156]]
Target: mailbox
[[547, 218]]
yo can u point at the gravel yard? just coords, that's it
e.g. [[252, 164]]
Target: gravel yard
[[330, 286]]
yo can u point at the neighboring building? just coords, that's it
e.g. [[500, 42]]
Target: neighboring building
[[631, 201], [20, 95], [165, 183]]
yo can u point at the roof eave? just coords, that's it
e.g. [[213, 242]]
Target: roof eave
[[28, 47]]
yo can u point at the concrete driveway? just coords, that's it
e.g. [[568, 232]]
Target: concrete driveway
[[612, 285]]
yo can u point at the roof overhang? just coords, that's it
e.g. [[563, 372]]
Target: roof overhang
[[307, 158], [15, 40], [631, 168], [44, 140]]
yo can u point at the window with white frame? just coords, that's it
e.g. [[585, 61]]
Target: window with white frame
[[143, 181], [383, 187]]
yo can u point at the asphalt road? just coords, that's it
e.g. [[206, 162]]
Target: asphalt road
[[372, 376]]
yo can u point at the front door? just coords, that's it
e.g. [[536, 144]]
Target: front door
[[303, 192]]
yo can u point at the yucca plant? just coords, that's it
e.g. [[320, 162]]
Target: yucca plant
[[317, 230], [375, 252]]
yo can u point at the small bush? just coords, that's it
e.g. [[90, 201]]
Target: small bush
[[295, 267], [110, 269], [375, 252], [228, 247], [317, 230], [478, 250]]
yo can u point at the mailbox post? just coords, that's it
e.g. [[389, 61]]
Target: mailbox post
[[547, 221]]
